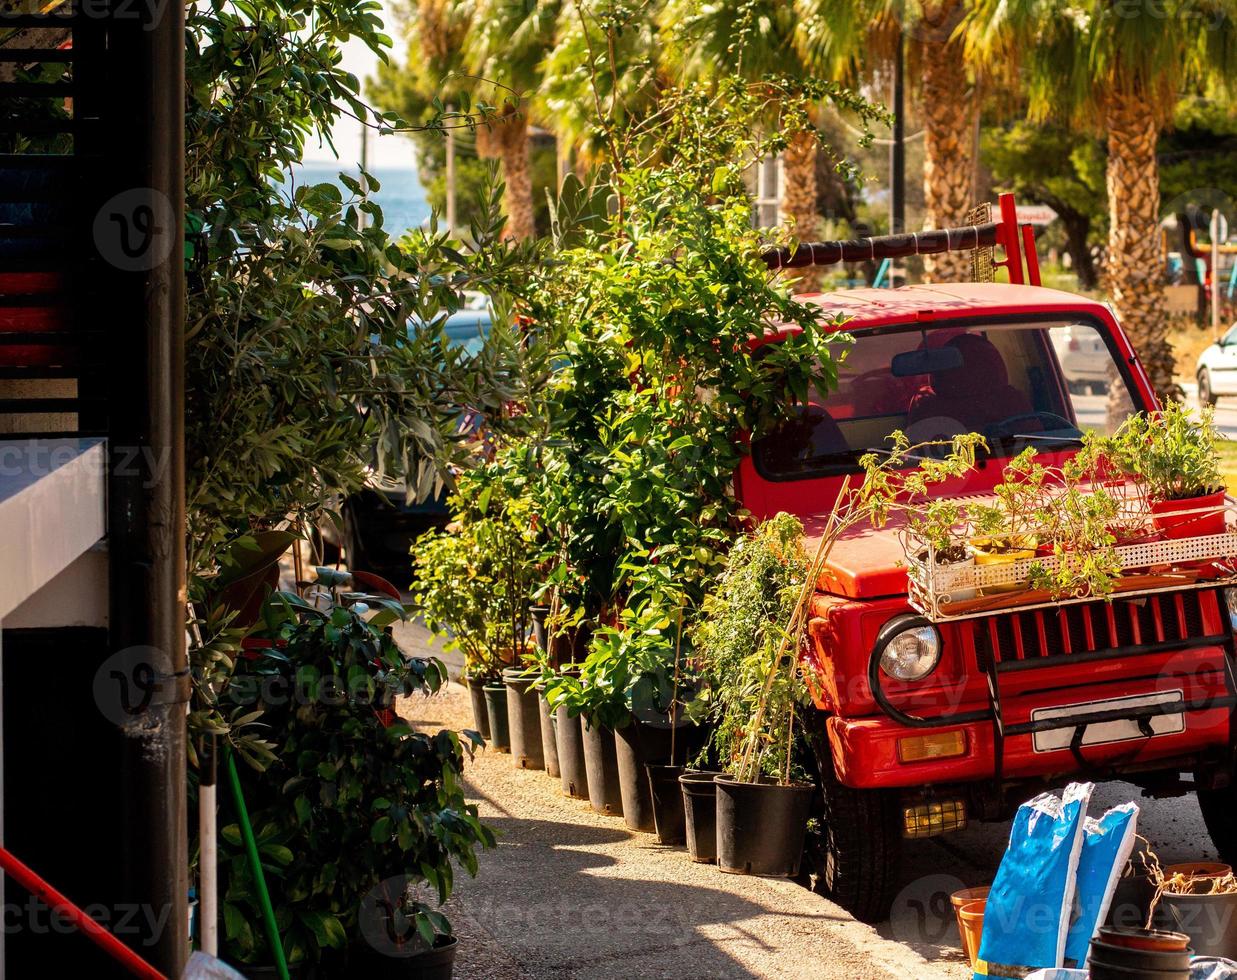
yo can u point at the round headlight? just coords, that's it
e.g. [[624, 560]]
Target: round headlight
[[911, 654], [1230, 600]]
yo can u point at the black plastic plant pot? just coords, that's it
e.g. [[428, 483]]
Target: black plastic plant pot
[[633, 779], [700, 815], [523, 719], [601, 767], [1107, 962], [569, 740], [480, 714], [496, 708], [668, 818], [413, 962], [549, 740], [1209, 920], [538, 615], [761, 827]]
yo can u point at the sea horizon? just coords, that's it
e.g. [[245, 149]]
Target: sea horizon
[[400, 194]]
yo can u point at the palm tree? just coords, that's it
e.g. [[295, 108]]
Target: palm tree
[[752, 39], [1116, 70], [505, 44], [858, 38], [588, 100]]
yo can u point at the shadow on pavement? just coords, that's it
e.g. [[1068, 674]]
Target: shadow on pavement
[[555, 908]]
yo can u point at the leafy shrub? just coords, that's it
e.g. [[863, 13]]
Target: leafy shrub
[[354, 796]]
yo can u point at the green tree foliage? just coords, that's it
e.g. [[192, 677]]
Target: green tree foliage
[[314, 350], [661, 308], [1047, 163]]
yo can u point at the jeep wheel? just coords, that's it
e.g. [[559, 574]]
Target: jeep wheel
[[1206, 397], [1219, 809], [857, 852]]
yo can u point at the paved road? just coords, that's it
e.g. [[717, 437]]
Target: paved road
[[1091, 411], [649, 912], [570, 894]]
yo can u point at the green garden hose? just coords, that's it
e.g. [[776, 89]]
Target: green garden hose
[[255, 863]]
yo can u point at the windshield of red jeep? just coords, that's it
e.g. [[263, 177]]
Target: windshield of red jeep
[[1018, 384]]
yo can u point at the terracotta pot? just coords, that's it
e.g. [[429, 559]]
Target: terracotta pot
[[971, 918], [1173, 517], [959, 900]]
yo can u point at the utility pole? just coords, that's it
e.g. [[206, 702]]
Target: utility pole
[[450, 176], [1219, 232], [897, 147]]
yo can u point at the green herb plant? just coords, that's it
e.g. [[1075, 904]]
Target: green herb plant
[[1172, 454]]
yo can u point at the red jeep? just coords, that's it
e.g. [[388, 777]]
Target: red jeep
[[1140, 688]]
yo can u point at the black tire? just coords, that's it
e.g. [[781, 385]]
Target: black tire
[[1205, 395], [858, 851], [1219, 810]]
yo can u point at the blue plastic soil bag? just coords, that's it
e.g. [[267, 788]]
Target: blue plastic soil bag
[[1029, 906], [1212, 968], [1106, 847]]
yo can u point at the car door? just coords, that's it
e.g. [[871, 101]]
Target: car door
[[1222, 364]]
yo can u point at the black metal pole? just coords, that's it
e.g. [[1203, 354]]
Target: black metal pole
[[897, 148], [146, 507]]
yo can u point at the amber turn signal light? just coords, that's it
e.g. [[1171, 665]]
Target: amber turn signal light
[[942, 745]]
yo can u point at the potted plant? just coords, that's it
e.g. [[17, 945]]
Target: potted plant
[[599, 698], [354, 798], [448, 591], [1199, 900], [752, 628], [1172, 455], [761, 804], [934, 530], [1080, 522], [1008, 530]]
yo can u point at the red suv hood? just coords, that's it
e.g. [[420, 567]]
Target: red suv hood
[[865, 562]]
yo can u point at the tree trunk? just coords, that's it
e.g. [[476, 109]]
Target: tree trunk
[[1134, 260], [949, 110], [507, 138], [799, 199], [1077, 231]]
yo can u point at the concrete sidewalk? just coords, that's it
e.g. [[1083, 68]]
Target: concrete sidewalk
[[571, 893]]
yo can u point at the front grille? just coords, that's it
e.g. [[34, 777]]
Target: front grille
[[1053, 634]]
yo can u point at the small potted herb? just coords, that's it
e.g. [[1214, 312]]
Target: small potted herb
[[1172, 454], [1079, 528], [1008, 530], [934, 529]]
